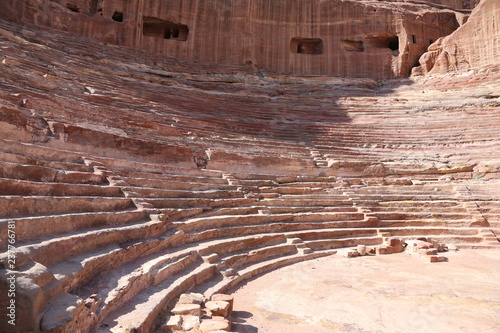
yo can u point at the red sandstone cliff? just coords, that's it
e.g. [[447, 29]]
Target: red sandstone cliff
[[475, 44], [375, 39]]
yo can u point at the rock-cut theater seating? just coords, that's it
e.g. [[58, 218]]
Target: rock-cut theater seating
[[132, 178]]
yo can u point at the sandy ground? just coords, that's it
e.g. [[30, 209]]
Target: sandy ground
[[391, 293]]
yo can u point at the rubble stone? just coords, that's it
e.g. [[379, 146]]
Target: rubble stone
[[189, 322], [191, 298], [361, 249], [187, 309], [210, 325], [172, 323], [218, 308], [226, 298]]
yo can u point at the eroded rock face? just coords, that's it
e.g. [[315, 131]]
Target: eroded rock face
[[341, 38], [475, 44]]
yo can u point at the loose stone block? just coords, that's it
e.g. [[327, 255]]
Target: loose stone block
[[382, 249], [210, 325], [425, 245], [225, 298], [442, 248], [294, 241], [361, 249], [432, 258], [212, 258], [218, 308], [190, 322], [187, 309], [428, 251], [305, 250], [191, 298], [228, 272], [394, 242], [172, 323], [348, 253]]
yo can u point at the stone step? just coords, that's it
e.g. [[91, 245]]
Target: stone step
[[17, 206], [309, 209], [87, 270], [316, 185], [426, 223], [123, 165], [298, 202], [34, 227], [474, 246], [21, 159], [141, 313], [119, 286], [253, 269], [291, 190], [224, 246], [51, 250], [290, 180], [269, 195], [323, 244], [175, 177], [438, 204], [255, 182], [331, 233], [181, 214], [409, 215], [236, 260], [316, 196], [115, 285], [176, 185], [44, 174], [198, 202], [422, 231], [226, 211], [255, 219], [37, 152], [164, 193], [402, 197], [28, 188], [201, 235], [74, 272]]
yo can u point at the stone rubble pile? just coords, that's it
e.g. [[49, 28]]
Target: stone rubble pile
[[193, 313], [389, 245], [426, 249], [422, 246]]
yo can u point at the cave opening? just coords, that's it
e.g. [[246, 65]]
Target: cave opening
[[117, 16], [156, 27], [306, 45], [73, 7], [390, 42]]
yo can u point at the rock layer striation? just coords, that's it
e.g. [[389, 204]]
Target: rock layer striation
[[341, 38]]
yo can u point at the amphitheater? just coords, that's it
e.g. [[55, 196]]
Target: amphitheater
[[153, 148]]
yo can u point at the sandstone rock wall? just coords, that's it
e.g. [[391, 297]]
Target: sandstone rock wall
[[342, 38], [475, 44]]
